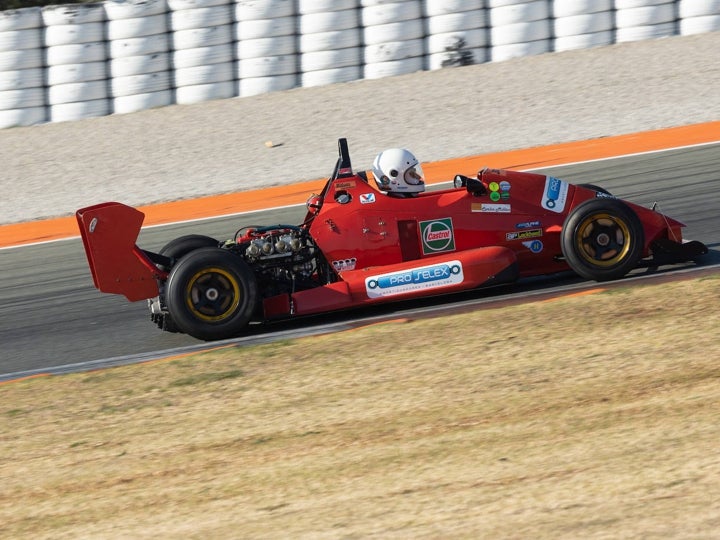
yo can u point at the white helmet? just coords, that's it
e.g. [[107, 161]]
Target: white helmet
[[397, 170]]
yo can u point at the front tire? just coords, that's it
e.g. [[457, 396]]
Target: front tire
[[598, 189], [602, 239], [211, 294]]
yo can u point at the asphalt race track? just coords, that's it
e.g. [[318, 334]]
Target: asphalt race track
[[51, 315]]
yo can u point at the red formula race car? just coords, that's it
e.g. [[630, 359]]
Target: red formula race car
[[359, 246]]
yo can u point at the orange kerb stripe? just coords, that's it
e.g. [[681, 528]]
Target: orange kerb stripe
[[574, 295], [36, 376], [156, 360], [246, 201], [401, 320], [185, 355]]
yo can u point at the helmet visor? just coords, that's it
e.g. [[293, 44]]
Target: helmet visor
[[414, 175]]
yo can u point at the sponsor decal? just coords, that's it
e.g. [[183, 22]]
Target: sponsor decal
[[344, 264], [499, 191], [527, 225], [491, 208], [367, 198], [536, 246], [349, 184], [437, 236], [414, 279], [601, 195], [555, 194], [523, 235]]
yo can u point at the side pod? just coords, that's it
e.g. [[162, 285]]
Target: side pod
[[109, 231]]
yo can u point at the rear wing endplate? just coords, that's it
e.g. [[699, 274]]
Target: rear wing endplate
[[109, 231]]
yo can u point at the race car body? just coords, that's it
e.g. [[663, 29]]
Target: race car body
[[359, 246]]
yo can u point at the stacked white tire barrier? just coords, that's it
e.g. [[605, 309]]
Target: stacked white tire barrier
[[22, 80], [266, 46], [76, 55], [74, 61], [202, 41], [636, 20], [699, 17], [457, 33], [393, 33], [138, 46], [518, 28], [582, 24], [329, 42]]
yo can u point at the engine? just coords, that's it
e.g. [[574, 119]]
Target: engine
[[284, 258]]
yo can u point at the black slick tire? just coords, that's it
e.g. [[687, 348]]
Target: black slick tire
[[211, 294], [602, 239]]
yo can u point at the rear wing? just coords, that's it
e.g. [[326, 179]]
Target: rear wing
[[109, 231]]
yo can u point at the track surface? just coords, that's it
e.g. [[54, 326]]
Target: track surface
[[187, 151], [51, 315]]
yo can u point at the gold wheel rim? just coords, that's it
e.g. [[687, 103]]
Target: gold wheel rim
[[212, 294], [603, 239]]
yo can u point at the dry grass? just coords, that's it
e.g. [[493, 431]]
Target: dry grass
[[585, 417]]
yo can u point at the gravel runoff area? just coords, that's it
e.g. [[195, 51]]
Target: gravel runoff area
[[223, 146]]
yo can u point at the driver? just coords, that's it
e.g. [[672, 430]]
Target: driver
[[398, 172]]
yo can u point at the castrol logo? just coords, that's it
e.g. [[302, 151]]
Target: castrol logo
[[434, 236], [437, 235]]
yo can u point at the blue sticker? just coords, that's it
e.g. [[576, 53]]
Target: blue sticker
[[536, 246], [527, 225]]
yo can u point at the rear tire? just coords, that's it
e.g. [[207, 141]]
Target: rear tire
[[602, 239], [211, 294], [181, 246], [175, 249]]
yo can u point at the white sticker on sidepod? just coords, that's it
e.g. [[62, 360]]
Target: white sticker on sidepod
[[554, 195], [414, 279], [344, 264], [490, 208]]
